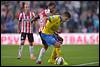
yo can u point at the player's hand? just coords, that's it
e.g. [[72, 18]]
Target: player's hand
[[59, 31], [58, 37], [35, 18]]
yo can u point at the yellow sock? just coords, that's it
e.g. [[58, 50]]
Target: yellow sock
[[58, 52], [53, 55]]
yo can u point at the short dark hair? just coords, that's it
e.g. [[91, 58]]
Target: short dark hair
[[51, 4], [23, 4], [66, 13]]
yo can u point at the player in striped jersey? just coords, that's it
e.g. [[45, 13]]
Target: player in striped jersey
[[42, 20], [46, 11], [51, 10], [26, 29]]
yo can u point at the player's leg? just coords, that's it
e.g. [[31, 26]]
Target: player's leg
[[42, 51], [56, 50], [55, 53], [41, 54], [31, 47], [52, 57], [59, 42], [23, 36], [57, 46]]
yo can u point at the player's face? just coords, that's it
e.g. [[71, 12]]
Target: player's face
[[52, 9], [26, 7], [64, 18]]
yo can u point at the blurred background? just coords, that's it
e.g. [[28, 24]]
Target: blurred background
[[85, 15]]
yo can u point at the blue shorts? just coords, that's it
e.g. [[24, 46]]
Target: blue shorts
[[49, 39]]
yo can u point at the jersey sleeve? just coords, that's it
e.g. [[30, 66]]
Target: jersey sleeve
[[33, 14], [19, 21], [20, 16]]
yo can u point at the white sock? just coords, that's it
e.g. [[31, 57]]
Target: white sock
[[42, 51], [31, 50], [20, 51]]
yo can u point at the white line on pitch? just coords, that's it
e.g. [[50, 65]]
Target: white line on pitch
[[86, 64]]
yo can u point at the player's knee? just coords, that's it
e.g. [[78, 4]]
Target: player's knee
[[22, 42], [31, 43], [57, 44], [61, 40]]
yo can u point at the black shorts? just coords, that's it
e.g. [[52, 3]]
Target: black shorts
[[29, 35], [43, 41]]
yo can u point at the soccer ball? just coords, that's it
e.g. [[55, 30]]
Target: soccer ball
[[59, 60]]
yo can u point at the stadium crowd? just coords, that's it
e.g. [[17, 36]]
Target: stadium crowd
[[85, 15]]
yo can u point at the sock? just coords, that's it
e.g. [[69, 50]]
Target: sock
[[20, 50], [42, 51], [58, 52], [31, 50], [53, 55]]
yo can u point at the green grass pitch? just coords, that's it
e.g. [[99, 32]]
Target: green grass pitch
[[82, 55]]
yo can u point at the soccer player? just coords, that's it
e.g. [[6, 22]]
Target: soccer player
[[49, 37], [26, 29], [46, 11]]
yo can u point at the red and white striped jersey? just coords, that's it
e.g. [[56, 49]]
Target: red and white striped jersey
[[24, 24], [42, 21]]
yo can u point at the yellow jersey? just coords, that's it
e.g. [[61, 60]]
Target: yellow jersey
[[52, 24]]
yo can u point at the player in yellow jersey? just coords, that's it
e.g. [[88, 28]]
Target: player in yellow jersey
[[49, 37]]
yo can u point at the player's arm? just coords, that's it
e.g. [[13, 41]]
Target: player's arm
[[56, 33], [60, 39], [35, 18], [19, 27], [59, 31], [45, 17], [19, 19]]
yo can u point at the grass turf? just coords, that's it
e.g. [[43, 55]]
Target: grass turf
[[86, 55]]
